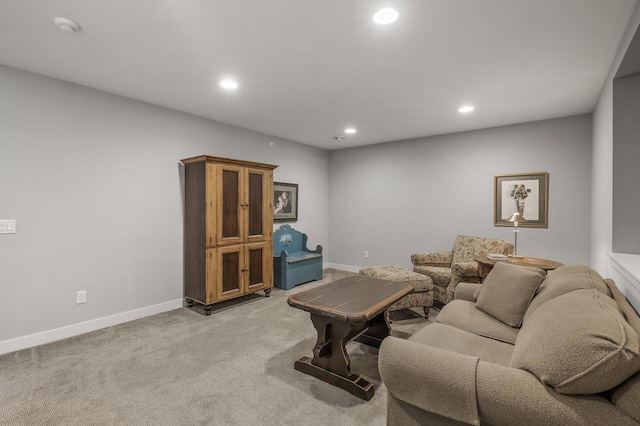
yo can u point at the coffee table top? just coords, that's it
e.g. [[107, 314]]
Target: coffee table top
[[356, 298]]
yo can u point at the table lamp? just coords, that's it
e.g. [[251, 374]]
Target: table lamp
[[515, 218]]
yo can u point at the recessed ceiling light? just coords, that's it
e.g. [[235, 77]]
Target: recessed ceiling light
[[229, 84], [350, 130], [385, 16], [465, 109], [66, 25]]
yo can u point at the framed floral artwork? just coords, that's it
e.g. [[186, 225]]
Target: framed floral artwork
[[524, 193], [285, 202]]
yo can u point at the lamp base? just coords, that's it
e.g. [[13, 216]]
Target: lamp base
[[515, 256]]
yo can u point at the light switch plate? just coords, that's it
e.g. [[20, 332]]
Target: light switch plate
[[8, 226]]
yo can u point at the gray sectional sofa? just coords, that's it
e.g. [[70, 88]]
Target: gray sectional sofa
[[520, 349]]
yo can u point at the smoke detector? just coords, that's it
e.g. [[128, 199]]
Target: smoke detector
[[66, 25], [338, 138]]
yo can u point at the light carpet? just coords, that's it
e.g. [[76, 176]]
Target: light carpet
[[234, 367]]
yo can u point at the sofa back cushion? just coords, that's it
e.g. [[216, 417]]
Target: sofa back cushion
[[563, 280], [507, 292], [476, 294], [578, 343]]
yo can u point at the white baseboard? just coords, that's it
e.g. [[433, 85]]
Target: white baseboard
[[347, 268], [49, 336]]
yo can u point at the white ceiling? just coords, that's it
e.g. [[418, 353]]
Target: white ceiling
[[309, 68]]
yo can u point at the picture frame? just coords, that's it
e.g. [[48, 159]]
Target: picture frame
[[524, 193], [285, 202]]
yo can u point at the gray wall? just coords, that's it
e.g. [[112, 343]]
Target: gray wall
[[395, 199], [626, 173], [94, 183]]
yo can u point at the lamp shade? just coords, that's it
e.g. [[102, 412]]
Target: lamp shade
[[516, 218]]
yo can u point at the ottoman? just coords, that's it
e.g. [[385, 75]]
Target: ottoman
[[422, 294]]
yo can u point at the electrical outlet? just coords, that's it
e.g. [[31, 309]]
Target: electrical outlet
[[8, 226], [366, 254], [81, 297]]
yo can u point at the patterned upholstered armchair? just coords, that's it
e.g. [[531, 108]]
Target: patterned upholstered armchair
[[448, 268]]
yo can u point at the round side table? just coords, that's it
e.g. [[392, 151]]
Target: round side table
[[485, 265]]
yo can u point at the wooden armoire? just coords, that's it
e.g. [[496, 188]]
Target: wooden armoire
[[228, 229]]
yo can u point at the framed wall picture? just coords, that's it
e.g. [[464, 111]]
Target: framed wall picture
[[524, 193], [285, 202]]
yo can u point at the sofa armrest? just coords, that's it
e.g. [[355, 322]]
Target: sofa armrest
[[432, 379], [466, 291], [508, 396], [439, 258], [465, 269]]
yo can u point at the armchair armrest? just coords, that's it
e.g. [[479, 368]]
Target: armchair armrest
[[432, 379], [439, 258], [466, 291], [465, 269]]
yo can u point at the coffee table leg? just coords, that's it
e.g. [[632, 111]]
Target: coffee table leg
[[378, 330], [331, 362]]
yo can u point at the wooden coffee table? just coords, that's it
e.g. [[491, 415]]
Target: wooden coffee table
[[340, 311], [485, 265]]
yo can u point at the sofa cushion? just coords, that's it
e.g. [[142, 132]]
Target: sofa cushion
[[465, 269], [578, 343], [452, 339], [507, 291], [462, 314], [531, 268], [563, 280], [439, 276]]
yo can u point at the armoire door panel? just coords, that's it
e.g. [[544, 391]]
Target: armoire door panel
[[256, 203], [231, 274], [231, 204], [260, 265], [260, 197], [256, 275]]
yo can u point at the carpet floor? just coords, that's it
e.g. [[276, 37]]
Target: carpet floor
[[234, 367]]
